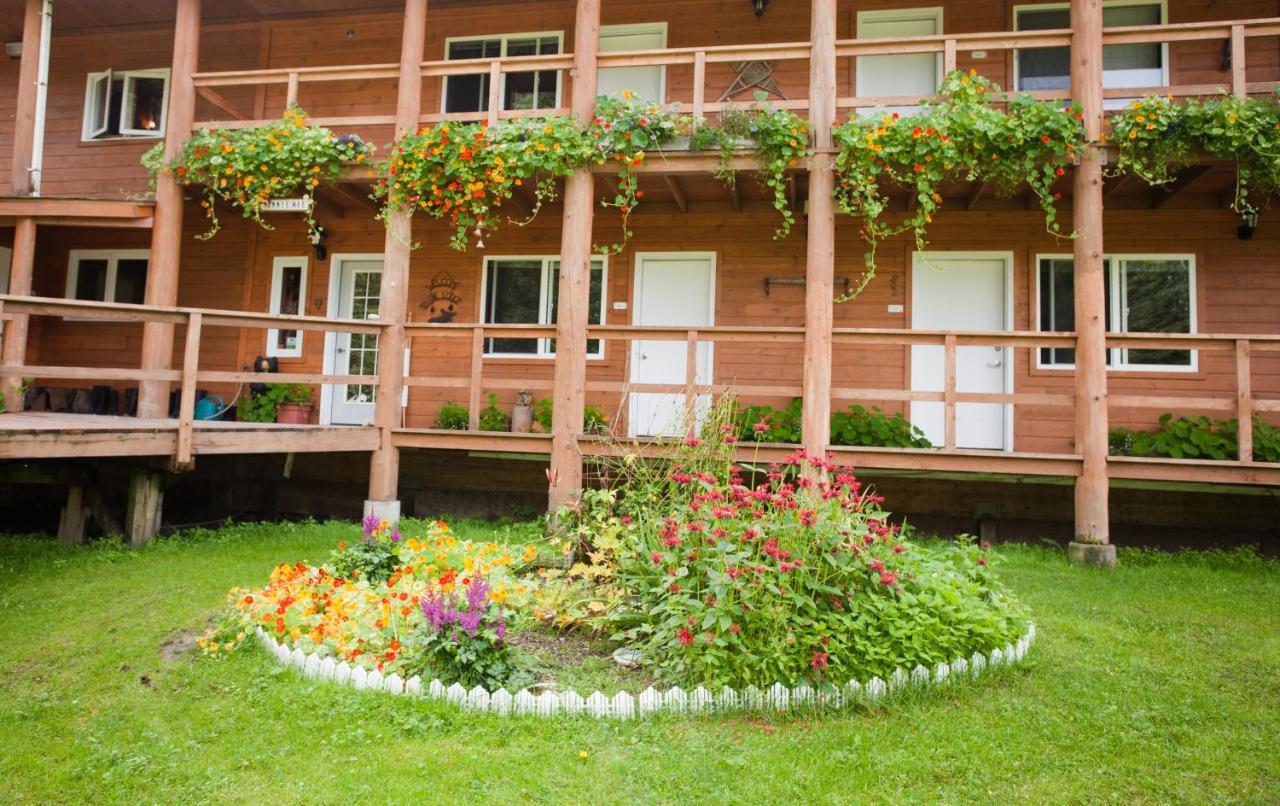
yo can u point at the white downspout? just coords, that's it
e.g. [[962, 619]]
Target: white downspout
[[42, 96]]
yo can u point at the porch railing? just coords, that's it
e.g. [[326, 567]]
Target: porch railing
[[1236, 34]]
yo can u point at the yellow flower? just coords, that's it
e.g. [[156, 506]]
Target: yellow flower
[[582, 754]]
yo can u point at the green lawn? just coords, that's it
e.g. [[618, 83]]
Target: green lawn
[[1154, 683]]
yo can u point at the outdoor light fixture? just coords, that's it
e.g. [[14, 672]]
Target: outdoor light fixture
[[760, 4], [317, 241], [1249, 223], [13, 50]]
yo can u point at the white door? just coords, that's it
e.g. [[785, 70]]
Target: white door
[[646, 82], [956, 292], [674, 290], [359, 297], [912, 74]]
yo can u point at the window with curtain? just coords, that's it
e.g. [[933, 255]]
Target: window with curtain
[[288, 296], [1123, 65], [1144, 294], [523, 291]]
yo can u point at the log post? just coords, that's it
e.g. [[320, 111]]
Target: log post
[[1092, 526], [145, 505], [166, 232], [24, 119], [72, 520], [820, 259], [568, 398], [21, 272], [384, 467]]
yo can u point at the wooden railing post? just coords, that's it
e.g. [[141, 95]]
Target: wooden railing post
[[568, 395], [699, 86], [1092, 494], [948, 56], [14, 339], [384, 466], [949, 391], [1239, 82], [475, 392], [24, 116], [166, 233], [187, 399], [819, 291], [691, 384], [1244, 401], [291, 94], [495, 91]]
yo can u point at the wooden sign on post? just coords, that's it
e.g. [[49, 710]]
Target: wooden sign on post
[[288, 206]]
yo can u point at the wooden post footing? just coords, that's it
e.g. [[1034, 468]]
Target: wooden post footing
[[74, 514], [1102, 555], [146, 502], [388, 511]]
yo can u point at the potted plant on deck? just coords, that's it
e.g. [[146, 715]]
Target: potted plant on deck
[[280, 403]]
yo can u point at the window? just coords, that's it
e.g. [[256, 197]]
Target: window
[[1145, 294], [533, 89], [128, 104], [522, 291], [1141, 65], [288, 296], [903, 74], [647, 81], [108, 276]]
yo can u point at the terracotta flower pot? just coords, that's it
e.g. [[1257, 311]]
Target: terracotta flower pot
[[294, 413]]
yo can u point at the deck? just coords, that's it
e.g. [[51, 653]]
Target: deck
[[45, 435]]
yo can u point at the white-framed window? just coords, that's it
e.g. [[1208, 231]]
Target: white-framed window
[[648, 82], [1140, 65], [903, 74], [522, 291], [108, 275], [130, 103], [531, 89], [1145, 294], [288, 297]]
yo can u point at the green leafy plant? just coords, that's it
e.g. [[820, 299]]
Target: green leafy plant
[[767, 424], [595, 421], [873, 428], [493, 418], [973, 132], [454, 417], [1156, 137], [1196, 437], [779, 138], [624, 130], [249, 168], [261, 408], [463, 172], [374, 558]]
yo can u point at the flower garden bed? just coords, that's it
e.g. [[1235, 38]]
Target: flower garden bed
[[727, 585]]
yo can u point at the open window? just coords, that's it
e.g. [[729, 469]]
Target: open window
[[125, 104], [288, 297], [104, 275], [523, 291], [1138, 65], [1145, 294], [531, 89]]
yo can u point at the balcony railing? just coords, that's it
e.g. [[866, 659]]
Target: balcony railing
[[1235, 33]]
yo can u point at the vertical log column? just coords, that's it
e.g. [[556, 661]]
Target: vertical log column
[[166, 232], [820, 263], [1092, 528], [384, 469], [568, 395], [22, 266]]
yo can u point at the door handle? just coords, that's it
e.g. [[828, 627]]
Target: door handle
[[995, 364], [644, 357], [342, 349]]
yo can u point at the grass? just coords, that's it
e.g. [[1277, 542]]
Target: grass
[[1155, 683]]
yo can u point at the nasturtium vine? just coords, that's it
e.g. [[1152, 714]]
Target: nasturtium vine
[[624, 130], [780, 139], [462, 172], [973, 132], [249, 168], [1156, 137]]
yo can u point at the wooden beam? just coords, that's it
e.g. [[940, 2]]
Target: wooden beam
[[1185, 179], [384, 466], [570, 374], [1092, 525], [21, 273], [677, 193], [222, 103], [979, 188], [24, 121], [819, 292], [166, 234], [43, 207]]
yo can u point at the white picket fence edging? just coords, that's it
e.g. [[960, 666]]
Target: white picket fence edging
[[651, 701]]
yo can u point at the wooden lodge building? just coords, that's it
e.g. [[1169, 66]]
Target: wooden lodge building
[[1015, 351]]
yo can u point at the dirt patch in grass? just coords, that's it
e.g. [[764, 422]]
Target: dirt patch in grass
[[180, 644], [580, 661]]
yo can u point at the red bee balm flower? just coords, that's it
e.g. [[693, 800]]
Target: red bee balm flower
[[819, 661], [684, 636]]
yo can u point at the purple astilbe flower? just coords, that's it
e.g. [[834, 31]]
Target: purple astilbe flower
[[395, 534], [437, 611], [371, 523], [501, 629], [477, 606]]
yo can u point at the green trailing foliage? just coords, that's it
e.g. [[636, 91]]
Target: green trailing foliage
[[973, 132], [1196, 438], [1156, 137], [249, 168], [857, 426]]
